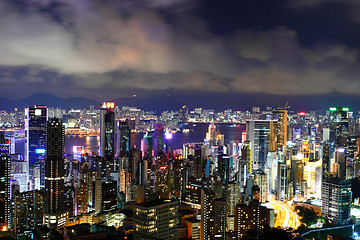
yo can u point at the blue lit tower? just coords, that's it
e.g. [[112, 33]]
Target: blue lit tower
[[55, 214], [125, 135], [35, 126], [4, 182], [107, 133]]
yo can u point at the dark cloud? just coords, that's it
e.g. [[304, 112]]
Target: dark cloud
[[86, 45]]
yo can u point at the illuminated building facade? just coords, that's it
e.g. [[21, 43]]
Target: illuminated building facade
[[252, 217], [157, 219], [281, 116], [35, 127], [4, 182], [55, 214], [124, 134], [339, 124], [262, 137], [107, 133], [336, 197], [27, 211]]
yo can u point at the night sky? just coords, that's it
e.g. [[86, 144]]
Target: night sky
[[115, 48]]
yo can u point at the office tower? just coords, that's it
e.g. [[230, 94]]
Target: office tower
[[147, 146], [336, 197], [233, 192], [196, 153], [262, 137], [27, 211], [123, 136], [252, 217], [55, 214], [244, 164], [282, 183], [213, 215], [156, 219], [4, 182], [220, 219], [106, 195], [338, 168], [261, 180], [207, 214], [224, 168], [35, 126], [143, 173], [158, 139], [326, 160], [281, 128], [192, 192], [107, 133], [339, 124]]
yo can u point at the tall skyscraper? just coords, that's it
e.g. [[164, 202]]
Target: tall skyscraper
[[213, 215], [124, 135], [35, 127], [158, 139], [4, 182], [262, 137], [107, 133], [339, 124], [55, 214], [281, 116]]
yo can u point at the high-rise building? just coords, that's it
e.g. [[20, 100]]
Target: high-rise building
[[336, 197], [158, 139], [107, 133], [213, 215], [339, 124], [252, 217], [55, 214], [35, 127], [157, 219], [224, 168], [124, 135], [281, 116], [4, 182], [27, 211], [262, 137], [105, 195]]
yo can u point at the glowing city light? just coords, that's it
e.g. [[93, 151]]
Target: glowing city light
[[168, 135]]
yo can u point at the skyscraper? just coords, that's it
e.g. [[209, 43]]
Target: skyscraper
[[262, 137], [158, 139], [281, 116], [107, 133], [4, 182], [336, 196], [35, 127], [124, 134], [55, 214]]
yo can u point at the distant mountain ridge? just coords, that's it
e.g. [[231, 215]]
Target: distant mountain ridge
[[216, 101]]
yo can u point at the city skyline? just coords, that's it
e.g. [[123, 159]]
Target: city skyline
[[148, 48]]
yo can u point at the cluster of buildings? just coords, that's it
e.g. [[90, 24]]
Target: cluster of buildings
[[206, 190]]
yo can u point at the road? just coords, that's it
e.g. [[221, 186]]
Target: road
[[285, 216]]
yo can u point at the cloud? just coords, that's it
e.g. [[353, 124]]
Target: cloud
[[352, 6], [56, 45]]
